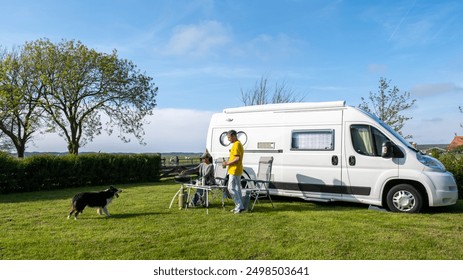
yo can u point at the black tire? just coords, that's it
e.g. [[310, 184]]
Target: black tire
[[404, 198]]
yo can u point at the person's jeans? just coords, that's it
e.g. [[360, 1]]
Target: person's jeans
[[234, 187], [199, 193]]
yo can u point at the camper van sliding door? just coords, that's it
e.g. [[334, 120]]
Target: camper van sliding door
[[314, 159]]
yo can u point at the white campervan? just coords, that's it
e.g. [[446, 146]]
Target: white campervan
[[328, 151]]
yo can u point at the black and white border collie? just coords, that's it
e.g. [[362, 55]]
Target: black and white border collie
[[99, 200]]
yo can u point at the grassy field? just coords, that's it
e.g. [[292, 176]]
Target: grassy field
[[34, 226]]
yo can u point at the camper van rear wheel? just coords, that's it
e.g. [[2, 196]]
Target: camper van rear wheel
[[404, 198]]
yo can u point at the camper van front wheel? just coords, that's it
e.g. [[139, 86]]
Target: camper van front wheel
[[404, 198]]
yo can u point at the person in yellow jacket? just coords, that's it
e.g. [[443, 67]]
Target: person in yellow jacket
[[235, 170]]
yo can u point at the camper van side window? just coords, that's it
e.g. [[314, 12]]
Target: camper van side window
[[367, 140], [313, 140]]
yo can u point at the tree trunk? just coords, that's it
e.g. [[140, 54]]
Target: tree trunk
[[73, 147], [20, 151]]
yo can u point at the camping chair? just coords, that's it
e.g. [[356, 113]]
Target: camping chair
[[220, 173], [221, 179], [258, 188]]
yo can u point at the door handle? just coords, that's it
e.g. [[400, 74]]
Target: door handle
[[334, 160], [352, 160]]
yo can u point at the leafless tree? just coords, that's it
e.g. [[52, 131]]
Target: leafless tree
[[262, 94], [388, 104]]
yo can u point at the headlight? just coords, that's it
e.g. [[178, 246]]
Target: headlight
[[430, 162]]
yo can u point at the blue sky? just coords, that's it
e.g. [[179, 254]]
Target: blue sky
[[202, 53]]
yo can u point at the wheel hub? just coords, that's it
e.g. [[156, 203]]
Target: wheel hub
[[404, 200]]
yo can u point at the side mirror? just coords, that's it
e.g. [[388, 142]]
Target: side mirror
[[387, 150]]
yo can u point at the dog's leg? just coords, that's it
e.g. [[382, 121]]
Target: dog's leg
[[99, 211], [70, 213], [106, 211]]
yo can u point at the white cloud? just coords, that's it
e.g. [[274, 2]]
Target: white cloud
[[426, 90], [197, 40], [169, 130], [433, 130], [377, 68], [269, 47]]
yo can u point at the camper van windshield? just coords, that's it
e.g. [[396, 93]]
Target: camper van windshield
[[392, 131]]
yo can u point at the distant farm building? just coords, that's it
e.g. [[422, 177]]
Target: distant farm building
[[429, 148], [456, 143]]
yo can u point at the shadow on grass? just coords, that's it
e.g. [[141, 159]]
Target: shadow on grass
[[281, 203], [48, 195], [286, 204], [134, 215], [119, 216], [293, 204], [452, 209]]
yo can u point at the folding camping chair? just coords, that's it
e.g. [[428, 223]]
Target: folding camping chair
[[220, 175], [258, 188]]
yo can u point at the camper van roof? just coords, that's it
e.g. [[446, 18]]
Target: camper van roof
[[285, 107]]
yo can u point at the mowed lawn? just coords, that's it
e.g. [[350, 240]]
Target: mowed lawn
[[34, 226]]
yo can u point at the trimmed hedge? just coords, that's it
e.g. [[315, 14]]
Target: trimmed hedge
[[454, 164], [47, 172]]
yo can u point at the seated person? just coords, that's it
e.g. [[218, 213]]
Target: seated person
[[205, 171]]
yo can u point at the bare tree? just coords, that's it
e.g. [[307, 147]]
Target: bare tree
[[387, 104], [260, 94]]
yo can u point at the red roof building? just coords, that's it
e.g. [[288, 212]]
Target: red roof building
[[456, 142]]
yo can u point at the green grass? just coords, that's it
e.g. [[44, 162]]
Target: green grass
[[142, 227]]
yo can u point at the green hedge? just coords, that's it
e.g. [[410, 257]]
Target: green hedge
[[454, 164], [47, 172]]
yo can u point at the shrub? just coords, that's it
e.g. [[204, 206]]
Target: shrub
[[9, 169], [454, 164], [46, 172]]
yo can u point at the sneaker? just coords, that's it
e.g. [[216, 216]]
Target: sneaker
[[238, 211]]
